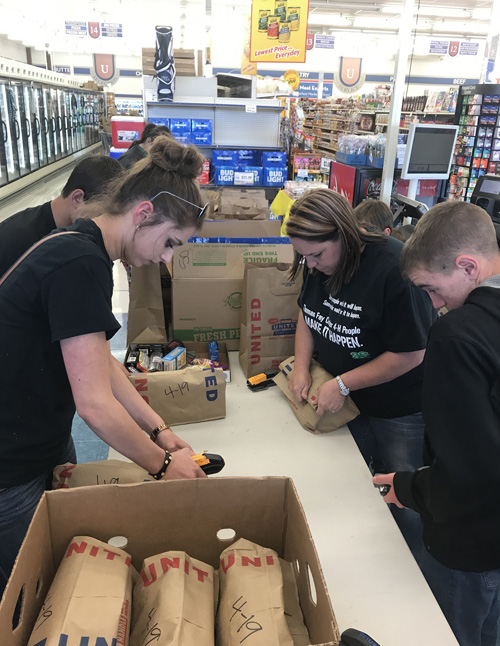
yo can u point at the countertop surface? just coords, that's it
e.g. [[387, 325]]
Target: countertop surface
[[373, 581]]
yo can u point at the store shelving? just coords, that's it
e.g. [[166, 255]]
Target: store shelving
[[477, 150]]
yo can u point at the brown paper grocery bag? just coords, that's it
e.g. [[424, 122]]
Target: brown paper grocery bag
[[251, 605], [184, 396], [173, 602], [69, 476], [305, 411], [90, 597], [268, 316], [146, 317], [293, 612]]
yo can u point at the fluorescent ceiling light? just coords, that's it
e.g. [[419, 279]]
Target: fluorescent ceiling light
[[440, 12], [460, 27], [328, 19]]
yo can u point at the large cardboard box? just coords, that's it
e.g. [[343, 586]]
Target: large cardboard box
[[160, 516], [227, 258], [207, 310]]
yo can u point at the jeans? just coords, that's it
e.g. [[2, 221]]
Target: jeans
[[469, 600], [17, 506], [389, 445]]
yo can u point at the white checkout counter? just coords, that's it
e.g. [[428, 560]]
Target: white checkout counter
[[373, 581]]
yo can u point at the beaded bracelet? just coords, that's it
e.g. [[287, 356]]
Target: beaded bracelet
[[161, 472]]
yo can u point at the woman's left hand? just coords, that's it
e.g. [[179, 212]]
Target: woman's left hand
[[329, 397], [171, 442]]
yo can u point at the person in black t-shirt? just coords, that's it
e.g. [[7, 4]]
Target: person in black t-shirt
[[139, 149], [24, 228], [367, 326], [56, 322]]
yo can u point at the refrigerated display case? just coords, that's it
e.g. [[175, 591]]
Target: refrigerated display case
[[41, 123], [356, 183]]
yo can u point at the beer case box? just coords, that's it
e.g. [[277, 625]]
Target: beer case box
[[201, 125], [182, 137], [249, 157], [225, 158], [224, 175], [264, 510], [160, 121], [201, 137], [226, 257], [206, 310], [248, 176], [180, 126], [273, 158], [275, 175]]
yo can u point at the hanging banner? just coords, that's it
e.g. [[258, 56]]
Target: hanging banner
[[349, 78], [278, 31], [104, 70]]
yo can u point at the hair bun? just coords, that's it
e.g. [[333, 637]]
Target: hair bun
[[170, 155]]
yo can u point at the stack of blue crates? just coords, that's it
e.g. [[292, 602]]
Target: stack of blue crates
[[249, 168]]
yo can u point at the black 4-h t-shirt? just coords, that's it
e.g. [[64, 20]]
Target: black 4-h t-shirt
[[377, 312], [61, 290], [22, 230]]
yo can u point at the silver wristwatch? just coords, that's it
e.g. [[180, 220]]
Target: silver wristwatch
[[344, 390]]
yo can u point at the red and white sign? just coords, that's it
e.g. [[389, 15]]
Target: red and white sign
[[342, 180]]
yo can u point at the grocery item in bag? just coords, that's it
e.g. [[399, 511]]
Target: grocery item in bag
[[89, 600], [293, 612], [251, 605], [174, 602]]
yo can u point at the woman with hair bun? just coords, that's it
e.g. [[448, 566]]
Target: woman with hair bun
[[54, 331], [368, 328]]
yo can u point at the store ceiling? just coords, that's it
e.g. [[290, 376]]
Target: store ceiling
[[42, 24]]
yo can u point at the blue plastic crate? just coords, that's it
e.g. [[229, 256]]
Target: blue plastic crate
[[352, 160]]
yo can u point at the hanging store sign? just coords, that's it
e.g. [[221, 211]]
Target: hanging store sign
[[324, 42], [111, 30], [104, 69], [278, 31], [94, 29], [469, 49], [349, 78], [75, 28], [438, 47]]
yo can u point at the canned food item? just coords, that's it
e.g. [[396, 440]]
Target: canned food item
[[284, 33], [263, 16], [273, 27], [293, 15], [280, 9]]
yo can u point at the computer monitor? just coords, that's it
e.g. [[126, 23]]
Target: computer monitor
[[429, 151]]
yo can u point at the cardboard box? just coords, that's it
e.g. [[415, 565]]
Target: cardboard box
[[240, 228], [226, 258], [207, 310], [185, 397], [159, 516]]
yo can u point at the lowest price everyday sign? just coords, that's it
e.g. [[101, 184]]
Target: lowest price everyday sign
[[278, 31]]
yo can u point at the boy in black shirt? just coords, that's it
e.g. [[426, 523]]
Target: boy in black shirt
[[24, 228]]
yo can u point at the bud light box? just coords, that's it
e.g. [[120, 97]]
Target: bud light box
[[248, 176], [274, 158], [185, 515], [182, 137], [201, 125], [224, 157], [201, 137], [275, 175], [250, 157], [160, 121], [180, 126], [224, 175]]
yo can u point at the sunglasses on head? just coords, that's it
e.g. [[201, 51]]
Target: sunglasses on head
[[202, 209]]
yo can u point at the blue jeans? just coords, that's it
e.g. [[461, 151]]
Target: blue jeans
[[17, 506], [389, 445], [469, 600]]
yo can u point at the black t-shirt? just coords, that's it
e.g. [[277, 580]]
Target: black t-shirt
[[133, 155], [22, 230], [376, 312], [61, 290]]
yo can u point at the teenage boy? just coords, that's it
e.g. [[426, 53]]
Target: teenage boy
[[19, 232], [453, 255]]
